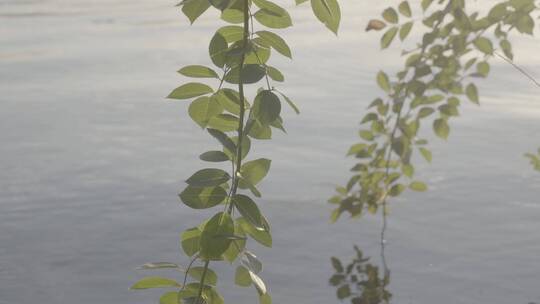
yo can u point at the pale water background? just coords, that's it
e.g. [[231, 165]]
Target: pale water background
[[92, 156]]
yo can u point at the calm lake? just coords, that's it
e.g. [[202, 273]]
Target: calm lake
[[92, 157]]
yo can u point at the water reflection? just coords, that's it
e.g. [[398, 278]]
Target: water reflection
[[361, 281]]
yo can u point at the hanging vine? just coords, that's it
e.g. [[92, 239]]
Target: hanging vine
[[240, 54], [438, 75]]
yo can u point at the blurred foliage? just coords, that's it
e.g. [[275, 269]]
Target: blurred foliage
[[438, 75]]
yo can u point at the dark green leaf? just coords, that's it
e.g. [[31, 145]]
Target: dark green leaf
[[249, 210], [214, 156], [214, 237], [202, 198], [208, 177]]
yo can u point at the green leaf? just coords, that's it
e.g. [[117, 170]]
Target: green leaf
[[525, 24], [262, 237], [275, 74], [158, 265], [388, 36], [210, 277], [291, 103], [328, 12], [251, 73], [405, 9], [203, 198], [441, 128], [224, 122], [276, 42], [217, 49], [215, 236], [169, 298], [426, 154], [230, 100], [252, 262], [343, 292], [408, 170], [336, 263], [198, 71], [483, 68], [249, 210], [208, 177], [155, 282], [405, 30], [396, 190], [418, 186], [202, 109], [193, 9], [383, 82], [214, 156], [231, 33], [190, 90], [254, 171], [190, 241], [266, 107], [265, 299], [232, 16], [484, 45], [237, 246], [390, 15], [246, 146], [258, 131], [507, 48], [223, 139], [241, 277], [426, 4], [472, 93], [272, 15], [219, 4]]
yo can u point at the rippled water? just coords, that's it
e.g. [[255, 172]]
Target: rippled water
[[92, 157]]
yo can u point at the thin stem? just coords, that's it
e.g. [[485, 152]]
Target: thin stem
[[521, 70], [236, 171], [199, 296]]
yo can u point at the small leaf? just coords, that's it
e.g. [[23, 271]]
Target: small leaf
[[426, 154], [198, 71], [217, 49], [266, 107], [203, 198], [336, 263], [290, 103], [390, 15], [155, 282], [405, 9], [276, 42], [224, 122], [275, 74], [272, 15], [193, 9], [441, 128], [208, 177], [249, 210], [190, 90], [242, 277], [210, 278], [158, 265], [223, 139], [214, 237], [262, 237], [483, 68], [418, 186], [383, 81], [387, 38], [202, 109], [252, 262], [169, 298], [254, 171], [472, 93], [190, 241], [214, 156], [484, 45], [328, 12], [265, 299], [405, 30]]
